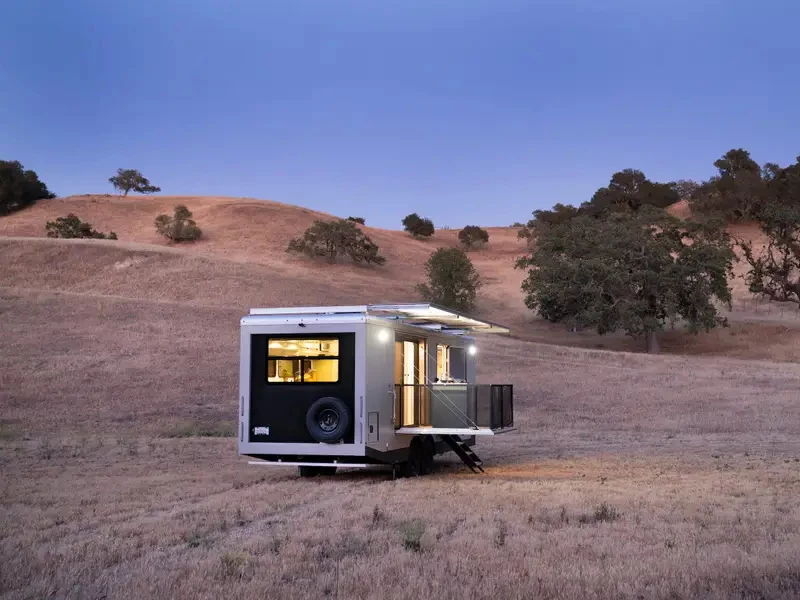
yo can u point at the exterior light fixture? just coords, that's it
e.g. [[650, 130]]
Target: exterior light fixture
[[383, 336], [472, 350]]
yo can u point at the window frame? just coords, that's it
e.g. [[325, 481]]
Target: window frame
[[303, 359]]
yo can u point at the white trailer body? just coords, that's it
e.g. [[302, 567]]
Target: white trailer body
[[327, 387]]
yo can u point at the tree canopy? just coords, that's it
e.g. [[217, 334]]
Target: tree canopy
[[131, 180], [452, 280], [740, 190], [472, 236], [19, 187], [331, 239], [628, 190], [775, 270], [631, 271], [418, 226]]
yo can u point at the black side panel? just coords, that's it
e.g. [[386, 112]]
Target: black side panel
[[282, 407]]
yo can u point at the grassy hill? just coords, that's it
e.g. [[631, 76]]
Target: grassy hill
[[245, 240], [241, 262]]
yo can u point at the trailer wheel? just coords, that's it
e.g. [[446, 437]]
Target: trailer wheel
[[428, 450], [328, 420], [414, 466]]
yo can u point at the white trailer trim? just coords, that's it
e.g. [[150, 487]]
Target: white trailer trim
[[444, 431], [311, 310], [420, 314], [278, 463]]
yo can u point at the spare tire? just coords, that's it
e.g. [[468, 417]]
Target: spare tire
[[328, 420]]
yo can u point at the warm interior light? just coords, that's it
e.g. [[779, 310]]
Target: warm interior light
[[383, 335], [473, 350]]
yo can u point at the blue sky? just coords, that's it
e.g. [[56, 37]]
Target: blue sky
[[467, 112]]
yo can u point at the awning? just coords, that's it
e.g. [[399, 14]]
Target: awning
[[434, 317], [425, 315]]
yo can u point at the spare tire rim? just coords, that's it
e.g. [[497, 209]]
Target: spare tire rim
[[328, 420]]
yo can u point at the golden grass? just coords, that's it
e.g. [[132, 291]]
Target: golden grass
[[166, 519], [697, 456], [629, 477], [256, 233]]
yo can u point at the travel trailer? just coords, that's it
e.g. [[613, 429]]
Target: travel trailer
[[359, 386]]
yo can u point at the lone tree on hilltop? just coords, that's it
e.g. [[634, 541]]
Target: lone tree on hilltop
[[452, 280], [359, 220], [473, 236], [330, 239], [72, 227], [131, 180], [418, 226], [19, 187], [630, 271], [180, 227]]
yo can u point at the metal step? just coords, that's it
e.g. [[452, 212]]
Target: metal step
[[464, 452]]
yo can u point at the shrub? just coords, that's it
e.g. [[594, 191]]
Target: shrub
[[605, 513], [452, 279], [72, 227], [377, 516], [234, 565], [330, 239], [179, 227], [417, 226], [359, 220], [412, 532], [473, 236], [19, 188], [501, 534]]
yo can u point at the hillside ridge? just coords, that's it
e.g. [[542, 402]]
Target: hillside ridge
[[241, 262]]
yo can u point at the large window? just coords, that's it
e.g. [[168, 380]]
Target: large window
[[302, 360]]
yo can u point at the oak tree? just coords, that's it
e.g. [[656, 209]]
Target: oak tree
[[452, 280], [19, 187], [418, 226], [629, 271], [131, 180], [473, 236]]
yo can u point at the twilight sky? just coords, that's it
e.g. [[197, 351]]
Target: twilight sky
[[473, 111]]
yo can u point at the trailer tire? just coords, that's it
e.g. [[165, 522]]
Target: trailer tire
[[414, 466], [428, 451], [328, 420]]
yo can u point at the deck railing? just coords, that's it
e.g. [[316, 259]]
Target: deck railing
[[454, 405]]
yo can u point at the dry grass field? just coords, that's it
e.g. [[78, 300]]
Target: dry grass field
[[630, 476]]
